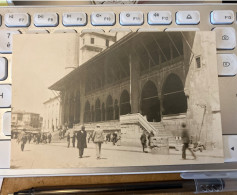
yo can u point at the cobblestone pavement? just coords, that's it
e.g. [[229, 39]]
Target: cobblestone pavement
[[57, 155]]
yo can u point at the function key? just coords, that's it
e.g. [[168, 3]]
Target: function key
[[3, 69], [103, 18], [225, 37], [5, 96], [17, 19], [6, 123], [222, 17], [187, 17], [159, 17], [131, 18], [227, 64], [74, 19], [6, 40], [46, 19]]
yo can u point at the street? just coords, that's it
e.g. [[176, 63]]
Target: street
[[57, 155]]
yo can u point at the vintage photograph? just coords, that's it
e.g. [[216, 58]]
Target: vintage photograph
[[115, 99]]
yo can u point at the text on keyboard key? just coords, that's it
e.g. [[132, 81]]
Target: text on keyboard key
[[131, 18], [159, 17], [6, 123], [74, 19], [6, 40], [45, 19], [187, 17], [103, 18], [5, 96], [225, 37], [227, 64], [222, 17], [17, 20], [3, 68]]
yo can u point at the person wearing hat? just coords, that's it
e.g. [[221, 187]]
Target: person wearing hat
[[81, 141], [98, 139]]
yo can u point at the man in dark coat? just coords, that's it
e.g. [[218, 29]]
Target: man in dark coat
[[143, 139], [81, 141]]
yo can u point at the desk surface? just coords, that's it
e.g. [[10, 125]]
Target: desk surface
[[11, 185]]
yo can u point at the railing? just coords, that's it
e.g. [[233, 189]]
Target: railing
[[137, 118]]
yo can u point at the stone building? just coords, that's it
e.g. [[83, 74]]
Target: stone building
[[151, 81], [51, 118]]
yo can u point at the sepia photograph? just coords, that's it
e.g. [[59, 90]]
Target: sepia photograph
[[115, 99]]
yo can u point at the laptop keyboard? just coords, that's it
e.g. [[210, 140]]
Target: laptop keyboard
[[79, 19]]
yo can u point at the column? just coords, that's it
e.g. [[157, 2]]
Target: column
[[134, 83], [82, 95]]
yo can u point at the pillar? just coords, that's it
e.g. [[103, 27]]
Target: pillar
[[134, 83]]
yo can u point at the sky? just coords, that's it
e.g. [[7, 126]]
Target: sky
[[39, 60]]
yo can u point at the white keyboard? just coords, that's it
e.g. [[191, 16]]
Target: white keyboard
[[78, 19]]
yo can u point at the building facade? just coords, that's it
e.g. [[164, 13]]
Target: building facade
[[165, 77]]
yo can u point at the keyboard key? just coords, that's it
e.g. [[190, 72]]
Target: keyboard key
[[46, 19], [6, 40], [6, 123], [103, 18], [225, 37], [187, 17], [5, 96], [230, 148], [74, 19], [131, 18], [37, 32], [227, 65], [3, 68], [65, 31], [159, 17], [17, 20], [222, 17]]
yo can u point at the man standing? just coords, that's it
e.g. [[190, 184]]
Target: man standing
[[81, 141], [68, 139], [98, 139], [143, 141], [186, 141], [73, 139]]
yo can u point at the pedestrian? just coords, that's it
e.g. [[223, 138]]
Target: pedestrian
[[89, 137], [115, 136], [186, 141], [108, 137], [81, 141], [98, 139], [143, 141], [23, 142], [73, 139], [68, 139], [49, 137]]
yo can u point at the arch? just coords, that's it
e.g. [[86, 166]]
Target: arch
[[103, 112], [125, 107], [97, 110], [109, 108], [116, 110], [87, 114], [150, 103], [174, 99], [92, 114]]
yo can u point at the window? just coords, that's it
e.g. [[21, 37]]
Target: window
[[107, 43], [198, 62], [92, 40]]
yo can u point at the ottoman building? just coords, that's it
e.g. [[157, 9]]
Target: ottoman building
[[150, 81]]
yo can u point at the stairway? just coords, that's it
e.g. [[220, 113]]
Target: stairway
[[161, 132]]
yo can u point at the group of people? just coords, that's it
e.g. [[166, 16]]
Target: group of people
[[97, 137], [37, 138], [186, 140]]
